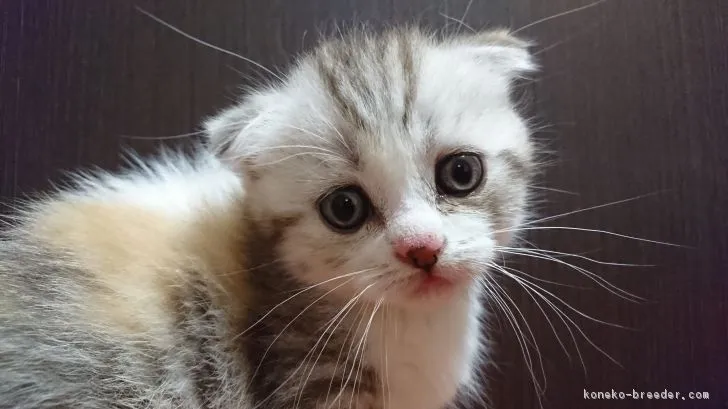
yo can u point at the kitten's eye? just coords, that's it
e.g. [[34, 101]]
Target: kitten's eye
[[459, 174], [345, 209]]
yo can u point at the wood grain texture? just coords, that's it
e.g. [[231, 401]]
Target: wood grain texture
[[634, 93]]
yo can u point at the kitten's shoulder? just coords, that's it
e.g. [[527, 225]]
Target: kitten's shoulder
[[110, 288], [140, 233]]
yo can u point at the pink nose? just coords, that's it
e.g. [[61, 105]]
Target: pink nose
[[419, 251]]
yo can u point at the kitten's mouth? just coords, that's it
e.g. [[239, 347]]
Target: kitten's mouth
[[440, 282], [431, 284]]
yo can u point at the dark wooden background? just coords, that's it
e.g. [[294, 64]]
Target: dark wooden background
[[634, 92]]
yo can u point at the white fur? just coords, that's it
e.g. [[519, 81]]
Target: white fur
[[174, 184], [425, 358]]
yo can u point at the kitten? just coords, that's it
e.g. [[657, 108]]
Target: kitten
[[326, 249]]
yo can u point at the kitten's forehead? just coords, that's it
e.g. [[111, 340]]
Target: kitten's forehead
[[406, 91], [371, 80]]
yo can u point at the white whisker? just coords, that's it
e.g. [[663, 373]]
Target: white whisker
[[562, 14], [295, 155], [608, 233], [540, 388], [520, 336], [465, 14], [345, 310], [600, 281], [310, 287], [311, 147], [262, 359], [560, 314], [281, 333], [357, 378], [533, 277], [360, 315], [550, 189], [385, 378], [567, 305], [460, 22], [579, 256], [206, 44], [537, 290], [163, 137], [614, 203], [359, 350]]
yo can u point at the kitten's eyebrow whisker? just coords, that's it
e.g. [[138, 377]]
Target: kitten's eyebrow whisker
[[231, 125], [548, 47], [460, 22], [206, 44], [307, 132], [558, 15], [320, 137], [295, 155], [312, 147], [316, 150], [328, 123], [465, 15], [563, 41], [163, 137]]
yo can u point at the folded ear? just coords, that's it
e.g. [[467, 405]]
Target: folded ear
[[226, 130], [502, 51]]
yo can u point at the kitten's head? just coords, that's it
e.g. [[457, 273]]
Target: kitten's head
[[387, 164]]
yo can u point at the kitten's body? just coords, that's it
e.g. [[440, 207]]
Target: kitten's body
[[115, 295], [212, 281]]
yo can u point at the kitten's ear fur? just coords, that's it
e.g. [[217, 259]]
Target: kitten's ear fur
[[232, 134], [224, 128], [505, 52]]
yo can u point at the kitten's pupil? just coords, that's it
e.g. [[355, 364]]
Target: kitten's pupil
[[461, 171], [459, 174], [345, 209]]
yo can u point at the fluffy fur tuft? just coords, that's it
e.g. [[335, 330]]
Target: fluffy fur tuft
[[216, 281]]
